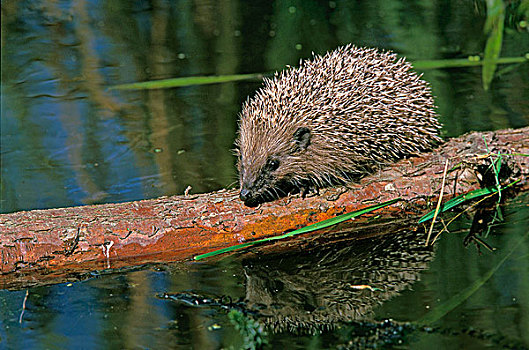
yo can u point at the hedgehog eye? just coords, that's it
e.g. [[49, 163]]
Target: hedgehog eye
[[272, 164]]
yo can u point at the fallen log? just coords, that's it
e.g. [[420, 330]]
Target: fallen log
[[47, 246]]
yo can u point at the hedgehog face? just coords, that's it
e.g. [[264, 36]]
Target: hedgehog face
[[266, 174]]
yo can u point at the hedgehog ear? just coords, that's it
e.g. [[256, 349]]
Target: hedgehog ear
[[302, 139]]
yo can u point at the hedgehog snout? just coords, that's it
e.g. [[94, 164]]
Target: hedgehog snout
[[253, 188], [244, 195], [247, 191], [250, 197]]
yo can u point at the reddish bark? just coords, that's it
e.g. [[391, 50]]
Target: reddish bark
[[46, 245]]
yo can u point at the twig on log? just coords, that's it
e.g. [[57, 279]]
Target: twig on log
[[43, 245]]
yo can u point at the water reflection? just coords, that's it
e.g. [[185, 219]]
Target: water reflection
[[326, 282], [66, 135], [322, 282]]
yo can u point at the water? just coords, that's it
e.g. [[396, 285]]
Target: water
[[68, 140]]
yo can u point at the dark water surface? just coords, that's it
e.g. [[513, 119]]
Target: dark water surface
[[67, 140]]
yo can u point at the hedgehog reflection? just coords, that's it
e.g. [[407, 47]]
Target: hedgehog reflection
[[314, 289]]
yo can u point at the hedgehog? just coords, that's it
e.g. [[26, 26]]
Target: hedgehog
[[332, 120]]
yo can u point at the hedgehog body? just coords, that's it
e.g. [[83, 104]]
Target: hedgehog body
[[335, 118]]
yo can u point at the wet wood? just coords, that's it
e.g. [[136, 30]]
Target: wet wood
[[43, 246]]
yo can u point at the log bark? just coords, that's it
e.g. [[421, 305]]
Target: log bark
[[46, 246]]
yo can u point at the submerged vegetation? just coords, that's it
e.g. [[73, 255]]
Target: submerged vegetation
[[252, 332]]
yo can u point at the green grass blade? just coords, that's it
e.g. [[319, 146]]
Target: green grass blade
[[497, 168], [202, 80], [340, 218], [225, 250], [317, 226], [463, 198], [459, 200], [459, 298], [465, 62], [185, 81]]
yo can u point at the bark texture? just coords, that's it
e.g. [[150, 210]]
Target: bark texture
[[46, 246]]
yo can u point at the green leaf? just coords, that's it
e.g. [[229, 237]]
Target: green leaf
[[317, 226], [494, 28]]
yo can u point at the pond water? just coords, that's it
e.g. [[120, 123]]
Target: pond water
[[66, 139]]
